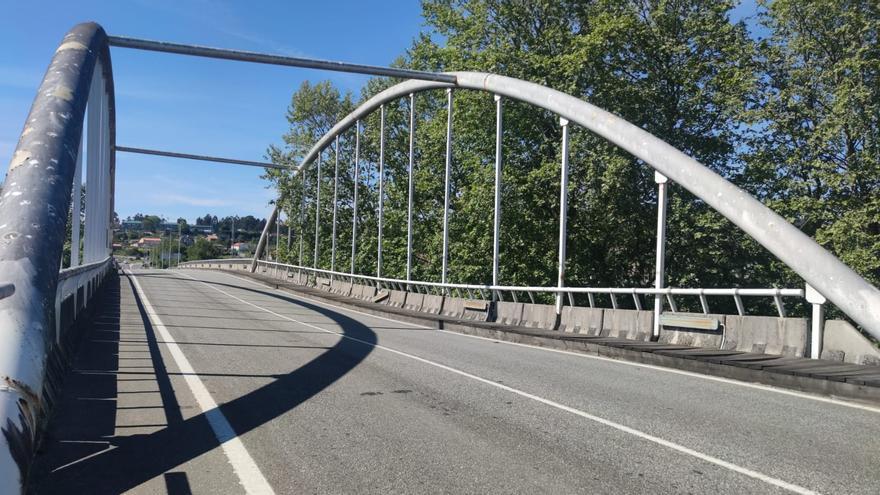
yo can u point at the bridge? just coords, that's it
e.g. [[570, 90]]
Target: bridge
[[263, 376]]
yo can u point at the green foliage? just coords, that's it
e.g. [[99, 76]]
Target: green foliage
[[203, 249], [793, 119]]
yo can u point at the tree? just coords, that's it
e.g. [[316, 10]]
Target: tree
[[202, 249], [816, 145]]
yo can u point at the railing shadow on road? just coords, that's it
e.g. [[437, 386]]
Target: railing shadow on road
[[136, 459]]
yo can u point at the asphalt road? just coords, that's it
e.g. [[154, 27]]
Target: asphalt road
[[319, 399]]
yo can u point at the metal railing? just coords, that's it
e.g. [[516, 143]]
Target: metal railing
[[824, 274], [70, 130], [469, 290]]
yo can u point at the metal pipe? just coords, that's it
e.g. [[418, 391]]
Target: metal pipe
[[93, 169], [335, 206], [817, 320], [40, 178], [302, 216], [660, 264], [409, 196], [264, 58], [354, 213], [496, 229], [6, 290], [76, 198], [204, 158], [317, 210], [446, 188], [381, 188], [563, 214]]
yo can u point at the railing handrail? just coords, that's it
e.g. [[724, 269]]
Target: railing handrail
[[76, 270]]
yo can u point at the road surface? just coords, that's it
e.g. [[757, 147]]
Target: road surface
[[315, 398]]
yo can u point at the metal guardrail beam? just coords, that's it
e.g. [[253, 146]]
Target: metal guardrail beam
[[265, 58], [204, 158]]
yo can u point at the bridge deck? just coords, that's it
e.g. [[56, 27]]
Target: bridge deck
[[326, 399]]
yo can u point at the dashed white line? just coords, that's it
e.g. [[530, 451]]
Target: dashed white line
[[249, 474], [617, 426]]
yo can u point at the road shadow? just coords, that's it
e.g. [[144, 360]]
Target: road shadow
[[126, 462]]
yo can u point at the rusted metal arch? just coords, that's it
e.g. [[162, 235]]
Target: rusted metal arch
[[819, 268], [33, 216]]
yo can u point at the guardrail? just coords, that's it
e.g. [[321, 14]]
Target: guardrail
[[468, 290]]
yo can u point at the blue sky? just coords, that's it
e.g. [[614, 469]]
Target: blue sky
[[213, 107], [189, 104]]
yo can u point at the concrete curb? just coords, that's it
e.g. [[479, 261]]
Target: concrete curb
[[536, 337]]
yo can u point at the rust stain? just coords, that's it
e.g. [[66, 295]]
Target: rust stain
[[21, 437]]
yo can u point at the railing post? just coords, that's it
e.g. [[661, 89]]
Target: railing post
[[381, 188], [357, 171], [660, 265], [497, 223], [317, 210], [817, 320], [409, 202], [335, 206], [93, 164], [77, 206], [302, 216], [446, 188], [563, 214]]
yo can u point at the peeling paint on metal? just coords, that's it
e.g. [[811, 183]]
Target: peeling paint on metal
[[19, 158], [71, 45], [63, 92]]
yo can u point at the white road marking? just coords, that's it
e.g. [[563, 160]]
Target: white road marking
[[626, 429], [249, 475], [756, 386]]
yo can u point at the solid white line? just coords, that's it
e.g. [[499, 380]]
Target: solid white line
[[249, 475], [729, 381], [617, 426]]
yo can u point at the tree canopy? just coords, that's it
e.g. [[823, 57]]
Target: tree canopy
[[792, 117]]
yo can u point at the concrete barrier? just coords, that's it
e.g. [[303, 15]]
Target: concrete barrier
[[539, 316], [396, 298], [341, 287], [470, 309], [363, 291], [766, 335], [627, 324], [682, 335], [432, 304], [322, 283], [581, 320], [842, 342], [414, 301], [508, 313]]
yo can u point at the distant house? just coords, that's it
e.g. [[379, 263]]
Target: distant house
[[212, 237], [132, 225], [149, 242], [201, 229], [240, 247]]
